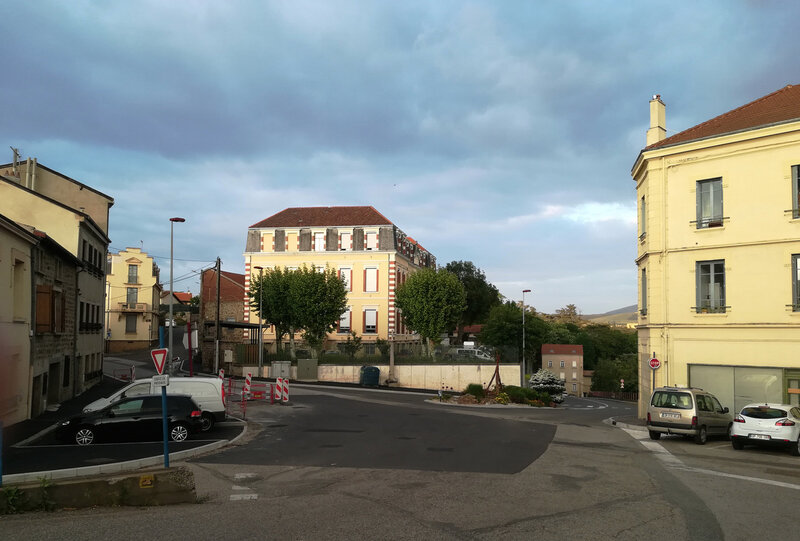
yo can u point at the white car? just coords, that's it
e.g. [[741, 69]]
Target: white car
[[767, 423]]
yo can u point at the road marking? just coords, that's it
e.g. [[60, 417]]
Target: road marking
[[240, 497], [248, 493], [244, 476], [674, 462]]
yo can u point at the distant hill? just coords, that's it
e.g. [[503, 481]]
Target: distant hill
[[620, 316]]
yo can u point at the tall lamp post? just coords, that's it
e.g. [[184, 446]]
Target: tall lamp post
[[171, 288], [260, 321], [523, 336]]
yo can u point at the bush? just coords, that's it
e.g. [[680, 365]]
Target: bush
[[502, 398], [519, 395], [476, 390]]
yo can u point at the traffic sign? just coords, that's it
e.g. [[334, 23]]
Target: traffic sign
[[159, 356], [655, 363], [161, 380]]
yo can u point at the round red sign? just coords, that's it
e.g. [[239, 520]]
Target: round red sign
[[655, 363]]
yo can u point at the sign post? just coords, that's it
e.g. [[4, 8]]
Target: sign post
[[655, 364], [159, 357]]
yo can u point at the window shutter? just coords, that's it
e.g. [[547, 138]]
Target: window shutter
[[44, 318]]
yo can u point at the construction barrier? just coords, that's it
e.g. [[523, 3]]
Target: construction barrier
[[285, 391], [247, 381], [222, 374]]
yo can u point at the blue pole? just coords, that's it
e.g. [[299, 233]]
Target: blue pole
[[164, 423], [161, 336]]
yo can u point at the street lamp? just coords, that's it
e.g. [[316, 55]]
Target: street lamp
[[260, 320], [523, 335], [171, 287]]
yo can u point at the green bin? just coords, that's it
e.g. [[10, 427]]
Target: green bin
[[370, 376]]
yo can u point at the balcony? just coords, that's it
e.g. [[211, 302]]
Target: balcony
[[132, 307]]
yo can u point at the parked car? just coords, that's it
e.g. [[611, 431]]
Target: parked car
[[470, 353], [136, 418], [688, 411], [776, 424], [209, 393]]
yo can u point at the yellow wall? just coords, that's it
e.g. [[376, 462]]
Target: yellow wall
[[148, 298], [756, 241], [15, 326]]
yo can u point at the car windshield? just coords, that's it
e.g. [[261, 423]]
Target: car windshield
[[672, 399], [763, 412]]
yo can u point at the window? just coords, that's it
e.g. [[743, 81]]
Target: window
[[133, 274], [59, 310], [709, 203], [574, 386], [574, 364], [795, 191], [574, 376], [319, 269], [549, 364], [795, 284], [643, 219], [130, 323], [370, 321], [319, 242], [562, 377], [370, 280], [45, 309], [372, 241], [346, 275], [19, 290], [344, 322], [346, 241], [644, 292], [132, 297], [710, 286], [369, 349], [562, 364], [65, 374]]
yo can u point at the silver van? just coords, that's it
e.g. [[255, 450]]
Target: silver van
[[208, 393], [688, 411]]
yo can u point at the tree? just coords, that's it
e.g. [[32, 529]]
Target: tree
[[431, 302], [609, 372], [352, 345], [546, 382], [503, 329], [481, 295], [568, 314], [299, 300]]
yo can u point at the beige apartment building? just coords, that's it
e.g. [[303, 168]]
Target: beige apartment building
[[369, 252], [133, 295], [566, 362], [718, 250]]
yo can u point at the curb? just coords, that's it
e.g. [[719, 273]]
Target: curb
[[118, 467], [613, 422]]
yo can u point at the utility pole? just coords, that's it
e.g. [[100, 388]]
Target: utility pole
[[216, 326]]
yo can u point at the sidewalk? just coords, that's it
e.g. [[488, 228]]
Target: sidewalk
[[23, 430]]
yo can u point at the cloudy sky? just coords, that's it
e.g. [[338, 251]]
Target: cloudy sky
[[502, 133]]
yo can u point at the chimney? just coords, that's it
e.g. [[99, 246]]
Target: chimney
[[657, 131]]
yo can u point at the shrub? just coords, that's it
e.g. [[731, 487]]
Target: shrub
[[502, 398], [476, 390], [519, 395]]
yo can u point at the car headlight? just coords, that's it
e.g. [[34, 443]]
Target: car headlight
[[65, 423]]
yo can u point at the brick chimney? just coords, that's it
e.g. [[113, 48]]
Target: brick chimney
[[657, 131]]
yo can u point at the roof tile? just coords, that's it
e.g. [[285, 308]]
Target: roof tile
[[324, 216]]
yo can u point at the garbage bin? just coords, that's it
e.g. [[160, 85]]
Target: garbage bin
[[370, 376]]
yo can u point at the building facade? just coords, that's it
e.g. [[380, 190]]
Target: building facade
[[133, 296], [371, 254], [566, 362], [718, 248], [75, 217], [231, 314], [16, 317]]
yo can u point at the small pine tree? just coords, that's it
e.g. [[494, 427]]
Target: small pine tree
[[546, 381]]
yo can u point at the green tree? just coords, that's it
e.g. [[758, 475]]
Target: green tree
[[568, 314], [546, 382], [480, 294], [609, 372], [352, 345], [431, 302], [503, 329]]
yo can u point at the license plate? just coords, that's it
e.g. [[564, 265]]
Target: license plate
[[759, 437], [670, 415]]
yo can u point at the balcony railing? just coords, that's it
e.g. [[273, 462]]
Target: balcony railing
[[133, 307]]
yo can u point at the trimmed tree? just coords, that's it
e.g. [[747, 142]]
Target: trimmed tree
[[431, 302], [545, 381]]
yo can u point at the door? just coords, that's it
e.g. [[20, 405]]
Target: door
[[791, 386]]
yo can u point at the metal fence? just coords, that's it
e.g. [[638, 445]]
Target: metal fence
[[628, 397]]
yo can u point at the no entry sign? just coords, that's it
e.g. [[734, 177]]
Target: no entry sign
[[655, 363]]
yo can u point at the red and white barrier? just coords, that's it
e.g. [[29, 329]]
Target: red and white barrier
[[246, 389], [285, 391], [221, 373]]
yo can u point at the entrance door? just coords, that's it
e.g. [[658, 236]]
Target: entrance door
[[791, 385]]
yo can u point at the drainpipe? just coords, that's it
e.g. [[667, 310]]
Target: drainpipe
[[28, 173]]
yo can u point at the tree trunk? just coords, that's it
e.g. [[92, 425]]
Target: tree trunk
[[292, 353]]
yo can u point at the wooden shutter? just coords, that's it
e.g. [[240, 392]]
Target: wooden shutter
[[44, 308]]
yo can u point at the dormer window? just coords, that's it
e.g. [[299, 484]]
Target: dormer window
[[372, 241]]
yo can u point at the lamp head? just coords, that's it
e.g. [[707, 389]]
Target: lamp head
[[177, 219]]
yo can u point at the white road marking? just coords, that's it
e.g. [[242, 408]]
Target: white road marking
[[240, 497], [244, 476], [672, 461], [249, 494]]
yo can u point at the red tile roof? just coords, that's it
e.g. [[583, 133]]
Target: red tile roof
[[781, 106], [231, 286], [562, 349], [324, 216]]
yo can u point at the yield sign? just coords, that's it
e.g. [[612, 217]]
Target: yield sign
[[159, 356]]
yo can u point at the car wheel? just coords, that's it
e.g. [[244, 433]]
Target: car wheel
[[738, 445], [179, 432], [795, 448], [655, 435], [84, 435], [702, 436], [206, 422]]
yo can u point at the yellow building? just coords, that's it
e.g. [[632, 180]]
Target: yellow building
[[133, 296], [368, 251], [718, 248]]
